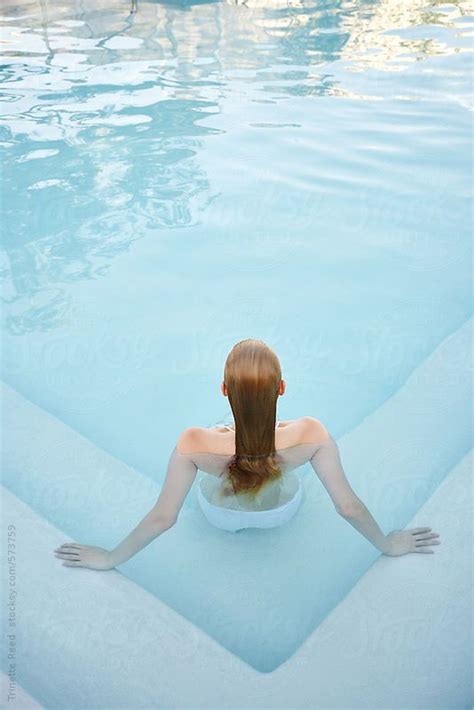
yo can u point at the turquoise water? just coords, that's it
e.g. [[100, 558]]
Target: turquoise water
[[189, 175]]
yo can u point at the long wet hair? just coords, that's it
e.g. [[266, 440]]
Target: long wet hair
[[252, 375]]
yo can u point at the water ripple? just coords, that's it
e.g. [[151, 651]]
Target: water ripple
[[124, 123]]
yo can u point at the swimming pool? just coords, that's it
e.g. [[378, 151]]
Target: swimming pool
[[193, 174]]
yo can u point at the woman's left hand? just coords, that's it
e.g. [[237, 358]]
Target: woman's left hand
[[75, 555]]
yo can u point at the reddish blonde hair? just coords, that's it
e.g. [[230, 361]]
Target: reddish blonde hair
[[252, 375]]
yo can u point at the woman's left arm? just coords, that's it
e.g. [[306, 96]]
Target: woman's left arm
[[180, 475]]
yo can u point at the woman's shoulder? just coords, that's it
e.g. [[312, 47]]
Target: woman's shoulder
[[213, 440], [189, 439], [313, 430]]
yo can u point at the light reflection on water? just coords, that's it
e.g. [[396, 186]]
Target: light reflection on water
[[221, 146], [123, 101]]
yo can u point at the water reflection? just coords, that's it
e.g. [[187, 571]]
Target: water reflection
[[106, 114]]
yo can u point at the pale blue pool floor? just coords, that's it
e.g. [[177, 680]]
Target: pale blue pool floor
[[262, 592]]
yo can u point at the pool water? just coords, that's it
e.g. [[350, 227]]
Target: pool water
[[192, 174]]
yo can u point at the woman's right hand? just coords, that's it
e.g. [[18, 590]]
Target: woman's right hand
[[401, 542]]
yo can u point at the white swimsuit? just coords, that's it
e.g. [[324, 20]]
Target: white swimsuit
[[275, 503]]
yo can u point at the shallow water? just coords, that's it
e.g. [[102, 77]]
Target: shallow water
[[190, 175]]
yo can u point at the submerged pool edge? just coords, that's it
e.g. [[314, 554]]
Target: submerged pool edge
[[149, 648], [447, 404]]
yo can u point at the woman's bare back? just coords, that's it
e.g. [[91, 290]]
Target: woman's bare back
[[207, 443]]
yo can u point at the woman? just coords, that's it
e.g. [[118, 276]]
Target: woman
[[249, 466]]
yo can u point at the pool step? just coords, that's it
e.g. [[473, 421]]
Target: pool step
[[395, 459], [98, 640]]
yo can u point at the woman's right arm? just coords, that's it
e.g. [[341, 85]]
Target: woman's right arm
[[326, 462]]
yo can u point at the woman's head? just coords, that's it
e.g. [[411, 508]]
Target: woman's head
[[252, 382]]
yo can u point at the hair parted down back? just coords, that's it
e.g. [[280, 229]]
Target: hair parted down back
[[252, 374]]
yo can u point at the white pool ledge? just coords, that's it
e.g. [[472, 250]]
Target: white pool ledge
[[401, 638]]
